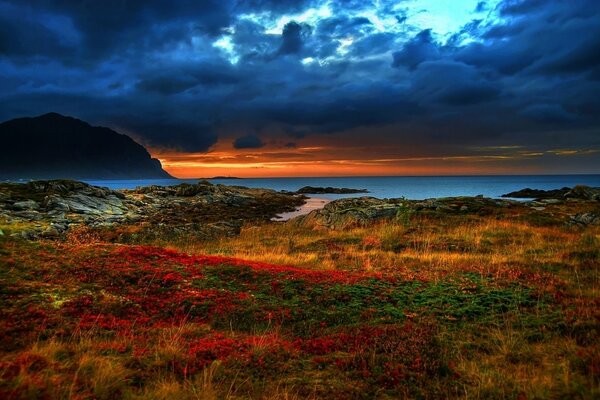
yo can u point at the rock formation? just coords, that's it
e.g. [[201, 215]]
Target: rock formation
[[203, 209], [577, 192], [54, 146]]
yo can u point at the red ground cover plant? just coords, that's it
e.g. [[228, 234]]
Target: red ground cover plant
[[157, 311]]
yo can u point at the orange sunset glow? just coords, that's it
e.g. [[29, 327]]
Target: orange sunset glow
[[314, 161]]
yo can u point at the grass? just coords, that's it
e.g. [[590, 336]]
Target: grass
[[425, 306]]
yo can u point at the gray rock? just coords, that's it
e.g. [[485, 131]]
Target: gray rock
[[29, 215], [584, 193], [566, 193], [349, 212], [59, 227], [56, 203], [26, 205], [550, 201], [203, 208], [585, 219]]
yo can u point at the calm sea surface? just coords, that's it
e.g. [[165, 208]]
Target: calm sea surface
[[392, 187]]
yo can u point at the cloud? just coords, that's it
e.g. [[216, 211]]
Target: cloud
[[548, 113], [481, 7], [452, 83], [342, 26], [293, 37], [167, 85], [182, 75], [520, 7], [248, 142], [419, 49], [186, 136]]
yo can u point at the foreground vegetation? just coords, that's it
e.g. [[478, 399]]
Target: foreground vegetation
[[426, 305]]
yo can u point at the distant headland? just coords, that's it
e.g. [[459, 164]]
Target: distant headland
[[54, 146]]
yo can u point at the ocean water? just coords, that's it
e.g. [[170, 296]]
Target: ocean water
[[410, 187]]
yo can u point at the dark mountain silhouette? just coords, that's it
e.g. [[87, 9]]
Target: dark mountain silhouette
[[53, 146]]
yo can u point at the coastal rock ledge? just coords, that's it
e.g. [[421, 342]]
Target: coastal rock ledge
[[362, 211], [576, 193], [51, 208]]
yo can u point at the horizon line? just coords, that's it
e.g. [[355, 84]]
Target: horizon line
[[363, 176]]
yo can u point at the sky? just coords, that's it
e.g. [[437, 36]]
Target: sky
[[258, 88]]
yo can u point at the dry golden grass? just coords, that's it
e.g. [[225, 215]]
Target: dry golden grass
[[494, 362], [527, 354]]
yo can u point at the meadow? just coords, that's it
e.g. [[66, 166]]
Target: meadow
[[425, 305]]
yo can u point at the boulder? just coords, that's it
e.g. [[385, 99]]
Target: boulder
[[349, 212], [55, 203], [585, 219], [26, 205]]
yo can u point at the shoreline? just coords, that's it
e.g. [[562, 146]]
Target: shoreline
[[312, 203]]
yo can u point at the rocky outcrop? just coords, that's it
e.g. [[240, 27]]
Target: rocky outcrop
[[344, 213], [583, 193], [584, 219], [462, 204], [329, 190], [566, 193], [362, 211], [52, 207], [203, 209]]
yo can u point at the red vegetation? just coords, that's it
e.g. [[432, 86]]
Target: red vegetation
[[167, 311]]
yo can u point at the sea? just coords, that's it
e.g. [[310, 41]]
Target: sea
[[410, 187]]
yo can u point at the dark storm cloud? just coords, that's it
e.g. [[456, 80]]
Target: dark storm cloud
[[419, 49], [548, 113], [167, 84], [23, 33], [176, 135], [106, 25], [179, 74], [339, 27], [452, 83], [518, 7], [275, 6], [185, 77], [248, 142], [292, 38]]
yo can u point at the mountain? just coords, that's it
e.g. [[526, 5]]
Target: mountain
[[54, 146]]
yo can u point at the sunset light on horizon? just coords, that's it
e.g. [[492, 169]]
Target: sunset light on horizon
[[322, 161]]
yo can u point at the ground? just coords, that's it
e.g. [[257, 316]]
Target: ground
[[429, 304]]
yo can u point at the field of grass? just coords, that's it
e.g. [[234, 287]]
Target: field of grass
[[427, 306]]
